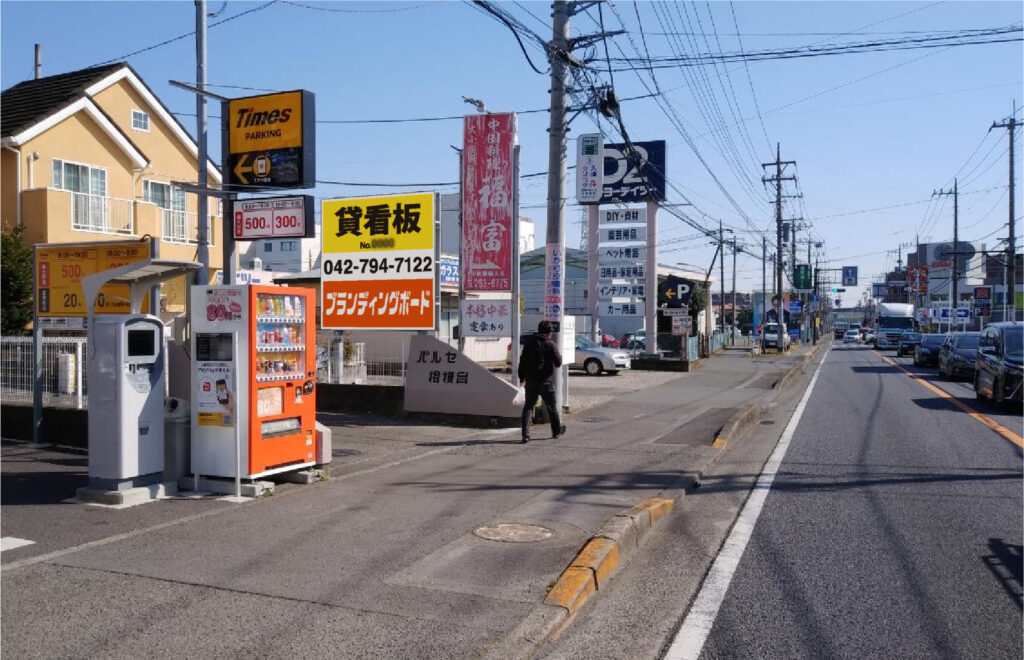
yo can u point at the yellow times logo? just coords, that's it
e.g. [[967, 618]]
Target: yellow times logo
[[259, 123], [366, 224]]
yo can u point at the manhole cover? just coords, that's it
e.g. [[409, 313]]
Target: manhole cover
[[514, 533]]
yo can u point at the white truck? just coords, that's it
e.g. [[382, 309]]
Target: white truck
[[891, 321]]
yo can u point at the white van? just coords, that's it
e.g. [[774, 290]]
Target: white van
[[770, 337]]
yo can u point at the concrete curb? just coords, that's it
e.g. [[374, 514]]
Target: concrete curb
[[787, 378], [601, 557], [738, 423]]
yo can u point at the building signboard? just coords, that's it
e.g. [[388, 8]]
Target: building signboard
[[270, 141], [488, 198], [608, 290], [622, 309], [624, 234], [983, 300], [675, 291], [614, 255], [634, 175], [379, 262], [623, 216]]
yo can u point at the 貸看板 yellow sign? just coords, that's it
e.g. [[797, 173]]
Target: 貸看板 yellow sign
[[368, 224]]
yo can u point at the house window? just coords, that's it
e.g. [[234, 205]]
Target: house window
[[79, 178], [163, 195], [171, 200], [90, 208], [268, 247], [289, 246], [140, 121]]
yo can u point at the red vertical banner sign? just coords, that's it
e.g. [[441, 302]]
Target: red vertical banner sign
[[487, 201]]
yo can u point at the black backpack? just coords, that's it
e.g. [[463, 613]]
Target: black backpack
[[540, 365]]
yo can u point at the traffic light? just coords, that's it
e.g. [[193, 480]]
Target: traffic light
[[837, 290]]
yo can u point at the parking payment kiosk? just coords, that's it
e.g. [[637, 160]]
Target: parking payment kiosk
[[127, 383]]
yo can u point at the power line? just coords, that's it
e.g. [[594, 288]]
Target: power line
[[185, 36]]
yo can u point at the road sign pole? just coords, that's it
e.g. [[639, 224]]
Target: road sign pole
[[593, 269], [651, 287]]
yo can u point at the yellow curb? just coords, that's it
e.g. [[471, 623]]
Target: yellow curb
[[599, 555], [573, 588], [656, 507], [719, 442]]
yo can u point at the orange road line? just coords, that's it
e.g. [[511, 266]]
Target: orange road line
[[984, 419]]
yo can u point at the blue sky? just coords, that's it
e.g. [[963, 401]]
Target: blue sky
[[873, 134]]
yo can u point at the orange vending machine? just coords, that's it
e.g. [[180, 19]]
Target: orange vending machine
[[254, 366]]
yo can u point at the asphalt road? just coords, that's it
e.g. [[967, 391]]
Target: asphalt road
[[892, 529]]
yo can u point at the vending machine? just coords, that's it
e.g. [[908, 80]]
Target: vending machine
[[254, 367]]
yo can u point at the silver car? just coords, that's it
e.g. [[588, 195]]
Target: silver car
[[593, 358]]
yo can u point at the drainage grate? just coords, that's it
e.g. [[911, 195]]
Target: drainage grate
[[596, 420], [766, 422]]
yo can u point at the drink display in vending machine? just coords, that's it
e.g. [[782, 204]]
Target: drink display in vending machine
[[265, 383]]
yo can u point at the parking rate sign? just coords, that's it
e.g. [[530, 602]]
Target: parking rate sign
[[379, 266]]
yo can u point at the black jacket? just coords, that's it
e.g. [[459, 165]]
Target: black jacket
[[533, 349]]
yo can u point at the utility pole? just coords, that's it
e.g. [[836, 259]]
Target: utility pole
[[778, 179], [721, 276], [203, 217], [555, 259], [1011, 256], [764, 279], [954, 303], [732, 332]]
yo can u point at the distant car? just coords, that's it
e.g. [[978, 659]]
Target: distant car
[[594, 359], [851, 337], [999, 367], [770, 337], [908, 342], [927, 352], [869, 338], [609, 341], [958, 354]]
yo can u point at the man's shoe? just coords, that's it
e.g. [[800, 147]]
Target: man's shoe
[[560, 433], [525, 440]]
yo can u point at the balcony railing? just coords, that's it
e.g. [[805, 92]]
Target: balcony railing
[[108, 215], [183, 227]]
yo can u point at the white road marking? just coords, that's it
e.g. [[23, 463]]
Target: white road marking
[[10, 543], [692, 635]]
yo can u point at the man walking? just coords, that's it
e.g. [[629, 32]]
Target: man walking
[[537, 367]]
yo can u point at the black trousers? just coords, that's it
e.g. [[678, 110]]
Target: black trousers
[[545, 391]]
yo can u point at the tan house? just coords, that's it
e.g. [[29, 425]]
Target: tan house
[[92, 155]]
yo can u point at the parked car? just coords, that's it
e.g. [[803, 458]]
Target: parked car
[[594, 359], [927, 352], [908, 342], [999, 367], [851, 337], [770, 337], [958, 354], [589, 356], [609, 341], [634, 341]]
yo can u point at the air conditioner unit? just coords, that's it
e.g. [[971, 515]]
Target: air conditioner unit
[[256, 264]]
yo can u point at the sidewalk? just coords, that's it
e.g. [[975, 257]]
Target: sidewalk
[[382, 560]]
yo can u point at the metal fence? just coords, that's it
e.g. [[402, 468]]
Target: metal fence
[[718, 340], [64, 373], [340, 360]]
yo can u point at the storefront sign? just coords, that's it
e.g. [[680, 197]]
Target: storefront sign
[[486, 318], [379, 263], [488, 197], [635, 174]]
